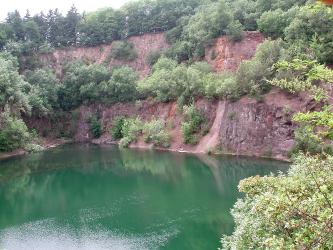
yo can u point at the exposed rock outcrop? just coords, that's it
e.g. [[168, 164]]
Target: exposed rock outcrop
[[101, 54], [227, 55], [245, 127], [222, 55], [263, 129]]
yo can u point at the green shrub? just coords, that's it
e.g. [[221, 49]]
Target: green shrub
[[194, 121], [252, 75], [235, 31], [306, 141], [213, 55], [95, 126], [154, 131], [274, 22], [174, 34], [116, 130], [124, 142], [131, 128], [180, 51], [166, 82], [221, 86], [189, 137], [33, 148], [122, 86], [123, 50], [82, 83], [153, 57], [128, 130], [13, 133], [289, 211], [311, 29]]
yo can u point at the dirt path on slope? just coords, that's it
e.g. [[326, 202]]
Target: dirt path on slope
[[211, 140]]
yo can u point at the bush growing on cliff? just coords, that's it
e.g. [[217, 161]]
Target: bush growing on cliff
[[14, 91], [210, 21], [80, 84], [171, 81], [117, 127], [303, 75], [193, 124], [306, 141], [221, 86], [123, 50], [44, 91], [180, 51], [154, 131], [122, 86], [235, 31], [153, 57], [252, 75], [95, 126], [166, 82], [86, 84], [130, 131]]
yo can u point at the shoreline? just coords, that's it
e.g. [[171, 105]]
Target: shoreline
[[47, 144], [150, 147], [59, 142]]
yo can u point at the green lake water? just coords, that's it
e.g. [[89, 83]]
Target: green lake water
[[100, 197]]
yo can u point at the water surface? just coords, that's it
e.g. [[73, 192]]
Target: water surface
[[100, 197]]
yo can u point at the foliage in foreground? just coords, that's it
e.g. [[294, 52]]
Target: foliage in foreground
[[291, 211]]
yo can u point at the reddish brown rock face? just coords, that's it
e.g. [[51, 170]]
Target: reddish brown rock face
[[328, 2], [244, 127], [227, 55], [100, 54]]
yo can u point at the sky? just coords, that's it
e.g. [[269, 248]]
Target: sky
[[35, 6]]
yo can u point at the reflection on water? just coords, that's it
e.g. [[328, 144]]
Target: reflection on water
[[91, 197]]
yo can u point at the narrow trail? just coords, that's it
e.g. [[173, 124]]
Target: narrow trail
[[211, 140]]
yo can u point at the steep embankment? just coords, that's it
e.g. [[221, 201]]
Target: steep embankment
[[101, 54], [226, 55], [222, 55], [245, 127]]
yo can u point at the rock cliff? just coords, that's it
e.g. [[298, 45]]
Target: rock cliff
[[223, 54], [245, 127]]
